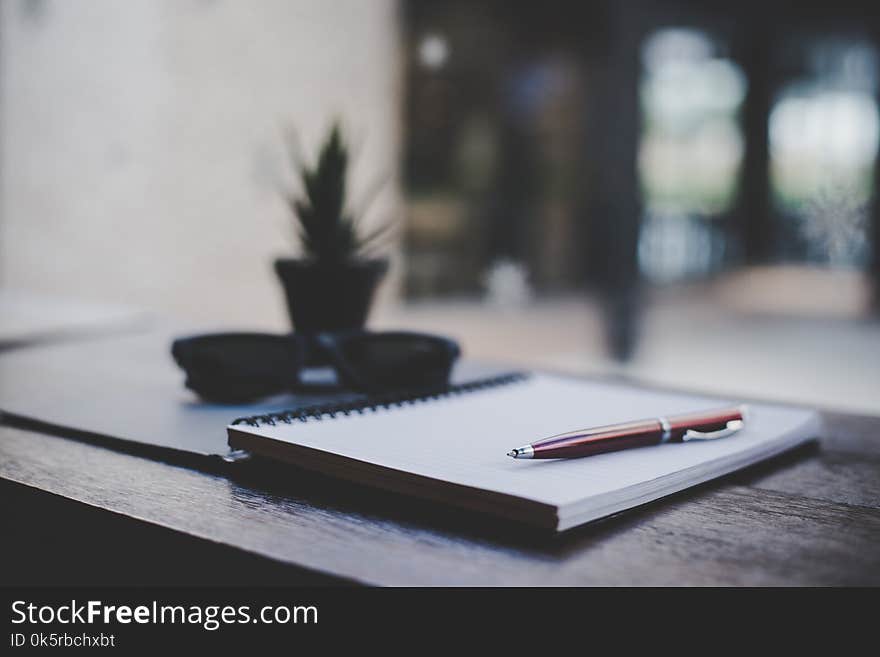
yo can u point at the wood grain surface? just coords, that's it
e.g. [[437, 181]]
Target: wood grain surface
[[82, 513]]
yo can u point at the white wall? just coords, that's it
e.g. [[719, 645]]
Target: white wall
[[142, 141]]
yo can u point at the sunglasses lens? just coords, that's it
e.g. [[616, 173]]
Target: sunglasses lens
[[232, 390], [398, 360], [236, 367]]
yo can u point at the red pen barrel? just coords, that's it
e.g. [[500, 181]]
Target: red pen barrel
[[599, 440], [641, 433]]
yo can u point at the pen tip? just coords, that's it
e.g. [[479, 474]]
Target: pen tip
[[512, 453]]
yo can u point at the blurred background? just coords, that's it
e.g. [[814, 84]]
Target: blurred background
[[683, 192]]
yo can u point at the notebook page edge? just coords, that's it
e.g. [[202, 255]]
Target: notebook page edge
[[513, 507]]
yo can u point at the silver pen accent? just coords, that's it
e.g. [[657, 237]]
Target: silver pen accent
[[524, 452]]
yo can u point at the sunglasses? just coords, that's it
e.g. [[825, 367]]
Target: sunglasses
[[244, 367]]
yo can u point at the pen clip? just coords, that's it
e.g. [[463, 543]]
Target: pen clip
[[732, 427]]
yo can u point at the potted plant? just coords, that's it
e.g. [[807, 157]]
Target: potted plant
[[331, 287]]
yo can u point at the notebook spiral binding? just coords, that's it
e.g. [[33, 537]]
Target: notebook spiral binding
[[376, 402]]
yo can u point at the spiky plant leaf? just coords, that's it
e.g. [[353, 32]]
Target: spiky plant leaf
[[326, 232]]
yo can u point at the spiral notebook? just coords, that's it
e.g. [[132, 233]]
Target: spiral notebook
[[452, 447]]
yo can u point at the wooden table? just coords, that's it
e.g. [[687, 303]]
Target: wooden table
[[75, 512]]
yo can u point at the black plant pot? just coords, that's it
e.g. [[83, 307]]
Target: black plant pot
[[329, 297]]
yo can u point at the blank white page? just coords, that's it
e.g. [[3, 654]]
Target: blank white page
[[465, 438]]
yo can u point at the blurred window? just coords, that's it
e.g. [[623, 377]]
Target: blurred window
[[690, 153], [824, 131], [495, 134]]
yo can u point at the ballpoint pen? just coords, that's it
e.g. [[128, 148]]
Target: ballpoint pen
[[705, 425]]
